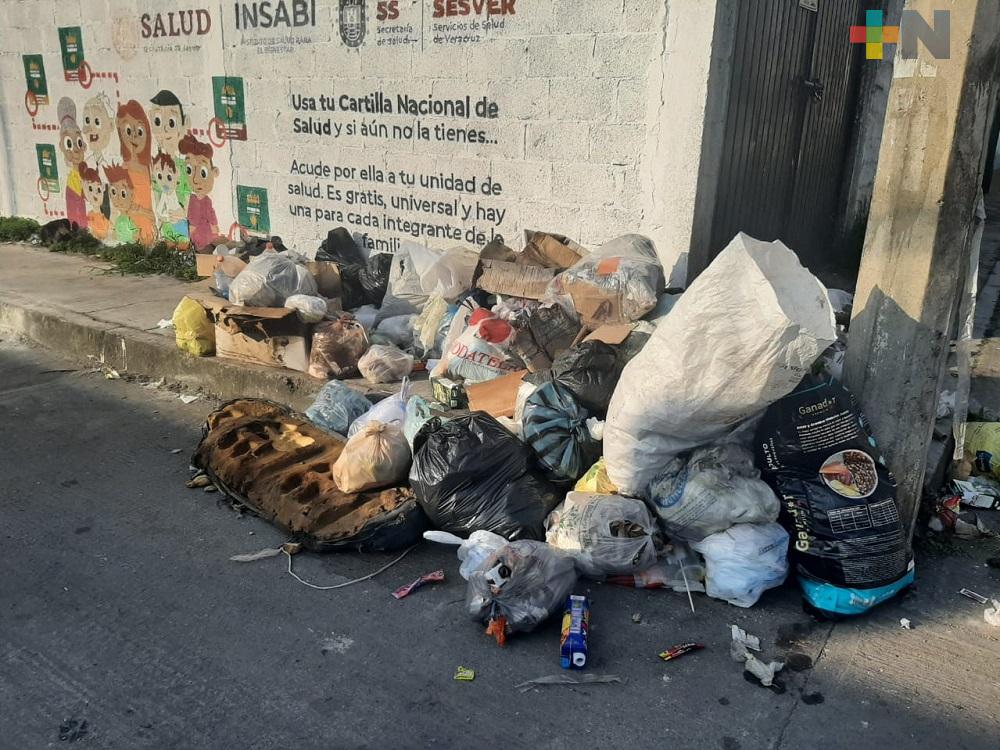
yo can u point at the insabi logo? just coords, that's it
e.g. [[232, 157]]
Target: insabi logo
[[352, 22], [913, 28]]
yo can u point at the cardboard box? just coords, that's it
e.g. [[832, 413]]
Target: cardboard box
[[207, 264], [550, 250], [327, 275], [496, 397], [514, 279], [449, 393], [270, 336]]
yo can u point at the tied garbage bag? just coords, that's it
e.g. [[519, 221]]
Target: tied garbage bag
[[472, 552], [377, 456], [838, 499], [385, 364], [555, 426], [470, 473], [336, 407], [337, 345], [483, 350], [743, 561], [605, 534], [390, 410], [589, 370], [742, 336], [269, 279], [193, 331], [709, 490], [618, 283], [309, 309], [519, 586]]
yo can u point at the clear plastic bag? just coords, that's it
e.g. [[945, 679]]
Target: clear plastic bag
[[309, 309], [744, 561], [385, 364], [376, 456], [398, 329], [709, 490], [390, 410], [269, 279], [472, 552], [337, 345], [618, 283], [605, 534], [524, 581], [336, 408]]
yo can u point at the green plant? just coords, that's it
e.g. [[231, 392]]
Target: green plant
[[17, 228]]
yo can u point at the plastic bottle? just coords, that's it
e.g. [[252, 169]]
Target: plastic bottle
[[575, 625]]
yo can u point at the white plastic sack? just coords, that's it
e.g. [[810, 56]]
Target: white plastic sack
[[376, 456], [446, 273], [742, 336], [710, 490], [744, 561], [390, 410], [483, 351], [456, 327], [605, 534], [472, 552], [404, 295], [269, 279], [309, 309], [385, 364]]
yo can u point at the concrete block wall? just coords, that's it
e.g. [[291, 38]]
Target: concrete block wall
[[591, 122]]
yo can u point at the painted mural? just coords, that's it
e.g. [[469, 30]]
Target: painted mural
[[131, 168]]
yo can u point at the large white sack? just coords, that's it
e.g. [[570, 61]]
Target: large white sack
[[742, 336]]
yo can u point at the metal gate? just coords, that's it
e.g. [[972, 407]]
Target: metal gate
[[788, 125]]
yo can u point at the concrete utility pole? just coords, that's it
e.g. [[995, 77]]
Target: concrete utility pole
[[916, 247]]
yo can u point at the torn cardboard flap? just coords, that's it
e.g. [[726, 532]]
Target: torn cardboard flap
[[611, 334], [550, 250], [271, 336], [206, 264], [514, 279], [496, 397]]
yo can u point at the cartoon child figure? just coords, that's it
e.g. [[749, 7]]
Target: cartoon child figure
[[98, 124], [128, 221], [72, 146], [169, 125], [136, 148], [203, 224], [96, 195], [172, 216]]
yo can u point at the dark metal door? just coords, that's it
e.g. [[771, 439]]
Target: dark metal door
[[788, 125]]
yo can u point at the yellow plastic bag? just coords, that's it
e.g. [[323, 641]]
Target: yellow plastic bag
[[596, 480], [193, 331], [982, 446]]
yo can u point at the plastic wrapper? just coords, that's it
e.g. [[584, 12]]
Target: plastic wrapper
[[605, 534], [376, 456], [483, 351], [589, 370], [838, 499], [391, 410], [309, 309], [618, 283], [385, 364], [193, 331], [709, 490], [743, 561], [398, 330], [337, 345], [269, 279], [336, 407], [742, 336], [470, 473], [554, 425], [428, 325], [525, 582], [596, 480], [419, 411]]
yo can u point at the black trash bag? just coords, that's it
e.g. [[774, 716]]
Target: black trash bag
[[256, 245], [374, 278], [838, 499], [362, 282], [340, 247], [470, 474], [590, 371], [554, 425]]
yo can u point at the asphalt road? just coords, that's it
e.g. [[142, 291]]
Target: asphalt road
[[123, 624]]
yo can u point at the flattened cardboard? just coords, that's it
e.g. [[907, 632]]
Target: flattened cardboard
[[514, 279], [550, 250], [270, 336], [496, 397], [206, 264], [612, 335]]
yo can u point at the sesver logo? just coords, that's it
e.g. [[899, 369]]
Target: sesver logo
[[875, 35]]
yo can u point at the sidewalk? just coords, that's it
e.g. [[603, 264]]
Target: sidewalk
[[71, 304]]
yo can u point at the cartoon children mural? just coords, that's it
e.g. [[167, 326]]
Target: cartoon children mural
[[122, 204], [72, 146], [98, 124], [170, 212], [136, 148], [169, 126], [203, 225], [95, 193]]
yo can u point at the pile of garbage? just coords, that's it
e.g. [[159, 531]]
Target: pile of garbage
[[585, 422]]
